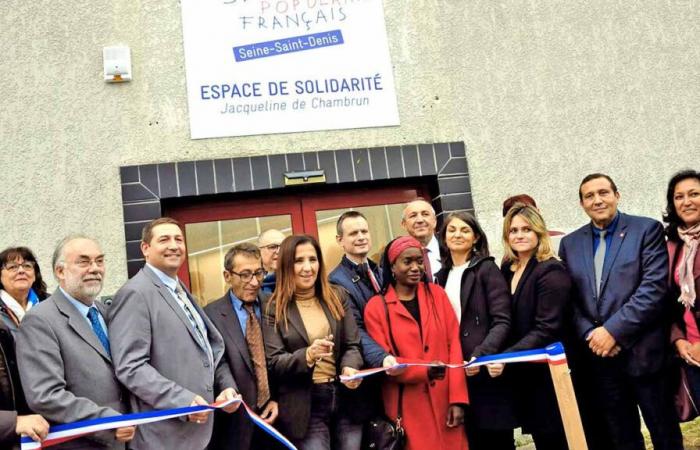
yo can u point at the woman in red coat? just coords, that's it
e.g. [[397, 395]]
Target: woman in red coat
[[424, 329]]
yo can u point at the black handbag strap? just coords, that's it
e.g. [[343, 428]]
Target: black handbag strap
[[396, 353]]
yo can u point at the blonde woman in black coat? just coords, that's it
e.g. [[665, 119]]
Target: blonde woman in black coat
[[480, 298]]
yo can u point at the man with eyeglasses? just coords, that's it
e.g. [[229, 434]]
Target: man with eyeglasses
[[237, 315], [269, 244], [63, 349]]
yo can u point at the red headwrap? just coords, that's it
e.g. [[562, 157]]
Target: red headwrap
[[400, 244]]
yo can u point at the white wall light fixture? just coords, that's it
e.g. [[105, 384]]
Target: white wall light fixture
[[117, 63]]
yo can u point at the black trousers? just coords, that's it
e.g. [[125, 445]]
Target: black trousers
[[618, 395]]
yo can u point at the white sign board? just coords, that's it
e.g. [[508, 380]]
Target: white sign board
[[278, 66]]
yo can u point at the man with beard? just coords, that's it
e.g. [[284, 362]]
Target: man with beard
[[63, 349]]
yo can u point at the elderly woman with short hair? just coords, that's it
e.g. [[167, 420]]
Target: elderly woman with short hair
[[21, 285]]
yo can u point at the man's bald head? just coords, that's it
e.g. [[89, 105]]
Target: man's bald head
[[269, 244]]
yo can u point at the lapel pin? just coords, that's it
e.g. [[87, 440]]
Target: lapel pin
[[622, 234]]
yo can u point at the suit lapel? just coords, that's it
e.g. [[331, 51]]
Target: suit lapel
[[333, 325], [233, 330], [79, 324], [296, 321], [587, 252], [169, 298], [468, 280], [523, 278], [617, 239]]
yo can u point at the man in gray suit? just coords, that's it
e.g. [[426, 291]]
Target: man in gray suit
[[166, 351], [63, 349]]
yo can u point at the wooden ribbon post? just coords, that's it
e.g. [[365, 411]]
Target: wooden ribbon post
[[566, 398]]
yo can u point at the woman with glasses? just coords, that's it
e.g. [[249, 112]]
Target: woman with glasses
[[413, 320], [21, 285], [310, 339], [540, 286], [481, 300]]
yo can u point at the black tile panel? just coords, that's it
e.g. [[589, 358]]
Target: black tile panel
[[310, 161], [129, 174], [410, 160], [394, 161], [224, 175], [168, 180], [186, 178], [456, 201], [377, 159], [456, 166], [132, 231], [360, 157], [241, 174], [427, 159], [295, 162], [134, 192], [205, 177], [454, 185], [135, 212], [133, 267], [344, 160], [278, 166], [148, 175], [442, 155], [133, 250], [457, 149], [261, 176], [327, 162]]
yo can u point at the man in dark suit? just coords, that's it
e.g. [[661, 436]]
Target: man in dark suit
[[619, 268], [237, 316], [362, 280], [63, 349], [166, 351]]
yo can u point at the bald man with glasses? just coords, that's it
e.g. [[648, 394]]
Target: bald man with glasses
[[269, 244]]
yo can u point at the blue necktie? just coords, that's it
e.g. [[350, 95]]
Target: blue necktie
[[97, 328]]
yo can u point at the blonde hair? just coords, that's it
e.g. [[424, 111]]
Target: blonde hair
[[532, 216]]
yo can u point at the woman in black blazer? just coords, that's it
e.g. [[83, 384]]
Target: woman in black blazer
[[540, 287], [310, 339], [480, 297]]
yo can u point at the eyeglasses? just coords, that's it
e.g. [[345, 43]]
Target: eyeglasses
[[28, 266], [272, 247], [84, 263], [247, 276]]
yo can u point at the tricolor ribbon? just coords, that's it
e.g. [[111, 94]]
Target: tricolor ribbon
[[67, 432], [552, 354]]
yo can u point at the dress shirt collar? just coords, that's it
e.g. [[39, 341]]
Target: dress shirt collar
[[167, 280], [433, 247], [80, 306], [610, 229], [238, 303]]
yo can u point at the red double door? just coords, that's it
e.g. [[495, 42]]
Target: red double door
[[214, 226]]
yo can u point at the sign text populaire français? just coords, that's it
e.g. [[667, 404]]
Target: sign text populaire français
[[278, 66]]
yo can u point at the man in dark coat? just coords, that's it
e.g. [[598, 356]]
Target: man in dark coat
[[360, 277], [237, 317]]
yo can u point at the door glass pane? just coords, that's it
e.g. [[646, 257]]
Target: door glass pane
[[208, 242], [384, 225]]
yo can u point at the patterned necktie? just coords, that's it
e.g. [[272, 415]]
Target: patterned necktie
[[372, 278], [190, 315], [599, 260], [426, 263], [93, 316], [254, 339]]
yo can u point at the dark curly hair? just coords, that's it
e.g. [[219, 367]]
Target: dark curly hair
[[670, 215], [13, 253]]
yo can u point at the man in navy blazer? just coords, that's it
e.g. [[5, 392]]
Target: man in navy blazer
[[619, 267]]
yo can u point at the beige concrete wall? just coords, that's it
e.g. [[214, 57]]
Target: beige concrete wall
[[542, 92]]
